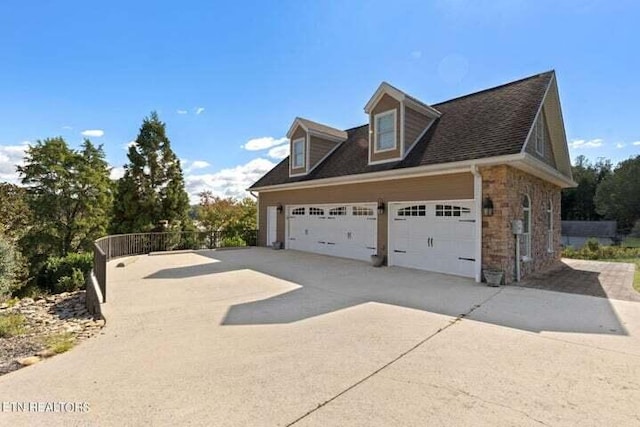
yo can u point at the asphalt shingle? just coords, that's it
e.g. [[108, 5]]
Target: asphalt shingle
[[489, 123]]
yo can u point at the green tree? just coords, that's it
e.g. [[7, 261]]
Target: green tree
[[578, 203], [70, 196], [152, 188], [215, 213], [9, 267], [618, 195], [15, 215], [236, 217]]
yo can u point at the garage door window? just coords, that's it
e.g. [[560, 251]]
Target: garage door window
[[451, 210], [342, 210], [361, 211], [415, 210], [316, 211], [297, 211]]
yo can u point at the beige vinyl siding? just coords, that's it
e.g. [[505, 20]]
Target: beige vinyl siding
[[414, 124], [441, 187], [548, 155], [297, 134], [386, 103], [318, 148]]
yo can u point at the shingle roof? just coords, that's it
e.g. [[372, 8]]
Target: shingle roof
[[492, 122], [589, 228], [319, 127]]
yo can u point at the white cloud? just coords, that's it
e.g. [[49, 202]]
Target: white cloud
[[67, 127], [231, 182], [620, 145], [577, 144], [199, 164], [199, 110], [117, 172], [263, 143], [189, 166], [10, 157], [96, 133], [279, 152], [635, 143], [416, 54], [182, 112]]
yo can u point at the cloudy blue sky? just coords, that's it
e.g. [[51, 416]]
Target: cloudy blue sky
[[228, 78]]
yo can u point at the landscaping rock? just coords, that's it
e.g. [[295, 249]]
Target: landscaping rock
[[46, 353], [32, 360], [54, 314]]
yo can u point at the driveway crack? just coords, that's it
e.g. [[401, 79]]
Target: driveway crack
[[394, 360]]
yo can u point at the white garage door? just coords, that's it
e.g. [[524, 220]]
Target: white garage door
[[347, 230], [434, 236]]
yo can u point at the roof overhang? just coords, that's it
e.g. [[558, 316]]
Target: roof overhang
[[339, 137], [386, 89], [522, 161]]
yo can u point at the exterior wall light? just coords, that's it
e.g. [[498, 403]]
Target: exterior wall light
[[487, 206], [279, 208], [380, 207]]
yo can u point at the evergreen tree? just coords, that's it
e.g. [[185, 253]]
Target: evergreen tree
[[70, 196], [618, 195], [152, 188]]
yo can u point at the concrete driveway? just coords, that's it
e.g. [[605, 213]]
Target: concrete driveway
[[259, 337]]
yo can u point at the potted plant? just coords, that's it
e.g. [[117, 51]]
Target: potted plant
[[493, 276]]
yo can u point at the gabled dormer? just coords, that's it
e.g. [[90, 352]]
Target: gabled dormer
[[397, 121], [310, 143]]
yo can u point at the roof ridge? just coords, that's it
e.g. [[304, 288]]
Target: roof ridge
[[495, 87]]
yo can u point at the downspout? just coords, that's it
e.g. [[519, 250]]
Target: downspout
[[477, 197]]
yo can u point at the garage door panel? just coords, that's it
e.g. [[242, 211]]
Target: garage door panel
[[434, 236], [334, 230]]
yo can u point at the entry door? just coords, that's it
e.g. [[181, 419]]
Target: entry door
[[272, 224]]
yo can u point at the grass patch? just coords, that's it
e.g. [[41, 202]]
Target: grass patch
[[12, 325], [631, 242], [59, 343]]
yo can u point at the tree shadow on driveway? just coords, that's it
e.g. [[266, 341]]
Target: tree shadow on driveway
[[309, 285]]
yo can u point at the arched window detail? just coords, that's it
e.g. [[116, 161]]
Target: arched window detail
[[525, 242]]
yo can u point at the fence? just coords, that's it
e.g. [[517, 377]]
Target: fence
[[119, 245]]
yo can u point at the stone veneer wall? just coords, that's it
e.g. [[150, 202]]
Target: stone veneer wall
[[506, 186]]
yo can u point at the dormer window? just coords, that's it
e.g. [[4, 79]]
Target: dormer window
[[385, 125], [298, 153]]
